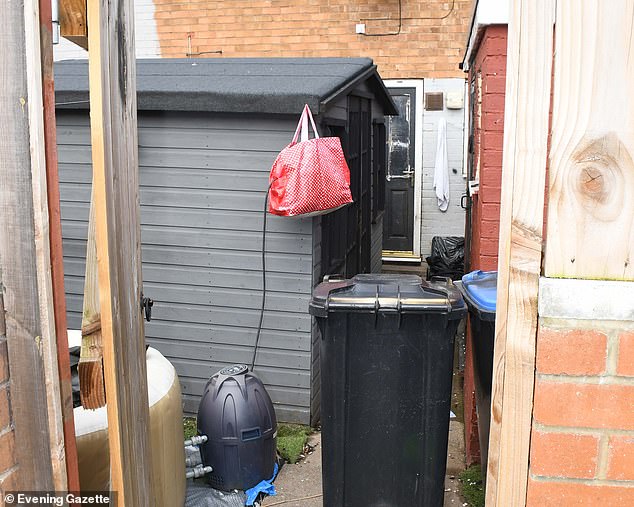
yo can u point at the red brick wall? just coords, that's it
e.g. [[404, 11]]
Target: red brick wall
[[472, 444], [8, 467], [582, 442], [431, 42], [489, 71], [582, 445]]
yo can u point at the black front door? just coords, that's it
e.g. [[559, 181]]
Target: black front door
[[398, 226]]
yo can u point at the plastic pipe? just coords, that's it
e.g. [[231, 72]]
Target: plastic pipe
[[55, 20], [197, 472], [196, 440]]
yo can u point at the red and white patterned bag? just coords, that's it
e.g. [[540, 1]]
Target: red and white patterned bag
[[310, 177]]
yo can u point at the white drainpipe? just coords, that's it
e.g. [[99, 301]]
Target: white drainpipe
[[55, 19]]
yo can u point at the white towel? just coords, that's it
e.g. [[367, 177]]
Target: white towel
[[441, 169]]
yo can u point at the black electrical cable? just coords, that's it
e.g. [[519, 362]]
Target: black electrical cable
[[72, 102], [257, 336], [444, 16], [400, 24], [401, 19]]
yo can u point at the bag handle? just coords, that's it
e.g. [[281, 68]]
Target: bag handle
[[302, 126]]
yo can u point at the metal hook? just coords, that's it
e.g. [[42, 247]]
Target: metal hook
[[146, 307]]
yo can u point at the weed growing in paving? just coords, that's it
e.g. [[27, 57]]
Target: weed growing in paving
[[472, 488], [291, 439], [189, 427]]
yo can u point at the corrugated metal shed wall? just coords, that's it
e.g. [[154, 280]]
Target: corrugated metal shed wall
[[203, 179]]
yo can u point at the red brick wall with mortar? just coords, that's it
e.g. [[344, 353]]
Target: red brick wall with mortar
[[8, 468], [489, 71], [430, 43], [582, 444], [472, 444]]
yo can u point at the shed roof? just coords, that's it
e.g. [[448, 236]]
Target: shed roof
[[233, 85]]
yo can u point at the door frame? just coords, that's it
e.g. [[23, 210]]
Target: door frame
[[418, 85]]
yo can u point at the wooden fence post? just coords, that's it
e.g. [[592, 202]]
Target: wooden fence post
[[591, 219], [55, 239], [528, 83], [112, 77], [91, 380], [42, 240], [25, 257], [72, 21]]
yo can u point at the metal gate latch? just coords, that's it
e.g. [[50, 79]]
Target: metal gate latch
[[146, 307]]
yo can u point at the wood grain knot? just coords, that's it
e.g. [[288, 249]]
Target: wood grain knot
[[597, 176], [592, 183]]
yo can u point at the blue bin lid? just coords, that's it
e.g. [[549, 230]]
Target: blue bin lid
[[481, 288]]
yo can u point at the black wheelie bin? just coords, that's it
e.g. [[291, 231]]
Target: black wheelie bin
[[386, 369], [479, 289]]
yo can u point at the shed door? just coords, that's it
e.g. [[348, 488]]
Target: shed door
[[398, 226], [346, 232], [360, 163]]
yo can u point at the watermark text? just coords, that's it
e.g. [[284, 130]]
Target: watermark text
[[60, 499]]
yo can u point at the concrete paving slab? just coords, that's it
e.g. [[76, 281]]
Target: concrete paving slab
[[300, 485], [455, 465]]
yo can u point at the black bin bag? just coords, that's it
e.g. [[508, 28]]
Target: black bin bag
[[447, 257]]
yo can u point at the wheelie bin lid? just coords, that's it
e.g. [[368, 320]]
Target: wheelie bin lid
[[479, 289], [387, 293]]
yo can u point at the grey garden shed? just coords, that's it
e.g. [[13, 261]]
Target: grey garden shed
[[209, 130]]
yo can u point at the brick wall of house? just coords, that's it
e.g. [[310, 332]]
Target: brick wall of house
[[582, 444], [430, 43], [472, 444], [8, 474], [488, 70]]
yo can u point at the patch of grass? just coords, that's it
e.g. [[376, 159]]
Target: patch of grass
[[472, 488], [291, 439], [189, 427]]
